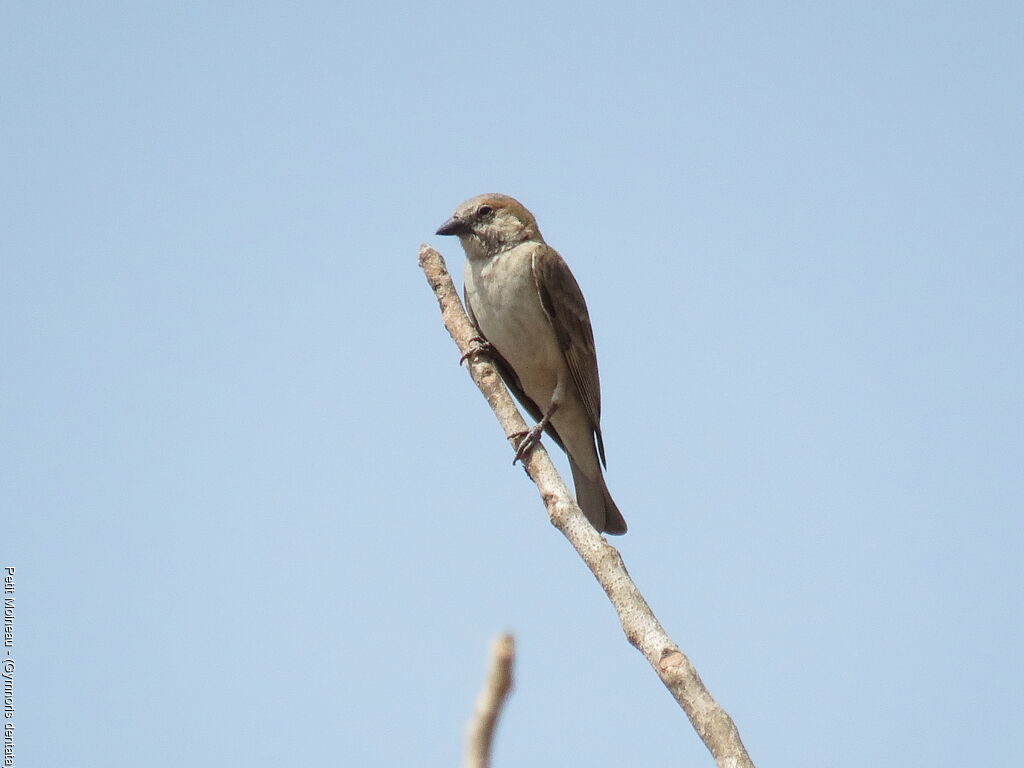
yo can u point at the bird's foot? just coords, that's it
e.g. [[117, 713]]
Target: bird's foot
[[481, 346], [530, 437]]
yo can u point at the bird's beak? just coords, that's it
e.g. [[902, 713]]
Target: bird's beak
[[454, 226]]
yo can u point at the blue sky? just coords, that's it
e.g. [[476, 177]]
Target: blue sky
[[259, 515]]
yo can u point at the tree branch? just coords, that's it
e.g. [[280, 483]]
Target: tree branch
[[714, 726], [480, 732]]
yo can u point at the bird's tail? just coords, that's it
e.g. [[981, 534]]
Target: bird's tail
[[596, 502]]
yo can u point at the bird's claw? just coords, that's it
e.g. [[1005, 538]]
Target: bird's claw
[[481, 347], [530, 437]]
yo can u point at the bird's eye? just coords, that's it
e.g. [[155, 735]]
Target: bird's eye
[[484, 211]]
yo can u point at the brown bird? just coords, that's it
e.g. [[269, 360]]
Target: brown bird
[[524, 300]]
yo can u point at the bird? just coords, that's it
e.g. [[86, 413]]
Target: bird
[[534, 324]]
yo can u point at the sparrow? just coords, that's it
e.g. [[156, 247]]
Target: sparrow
[[533, 319]]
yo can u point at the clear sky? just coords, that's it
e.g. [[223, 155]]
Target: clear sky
[[260, 516]]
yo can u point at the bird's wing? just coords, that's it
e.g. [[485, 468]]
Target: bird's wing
[[510, 377], [563, 303]]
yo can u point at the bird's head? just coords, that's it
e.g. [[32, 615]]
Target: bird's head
[[489, 224]]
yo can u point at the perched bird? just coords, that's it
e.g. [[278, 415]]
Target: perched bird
[[528, 308]]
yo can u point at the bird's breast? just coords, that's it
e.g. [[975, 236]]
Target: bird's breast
[[507, 307]]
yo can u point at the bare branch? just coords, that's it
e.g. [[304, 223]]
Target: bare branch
[[714, 726], [480, 732]]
